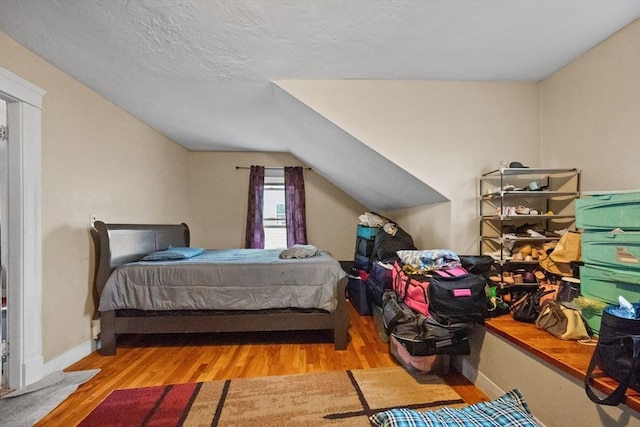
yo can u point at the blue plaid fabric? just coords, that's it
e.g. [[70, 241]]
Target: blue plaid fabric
[[508, 410]]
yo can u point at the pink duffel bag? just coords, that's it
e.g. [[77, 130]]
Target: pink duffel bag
[[412, 289]]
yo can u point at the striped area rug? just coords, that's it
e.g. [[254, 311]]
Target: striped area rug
[[339, 398]]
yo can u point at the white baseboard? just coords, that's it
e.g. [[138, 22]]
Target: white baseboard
[[32, 370], [488, 387], [481, 381], [70, 357]]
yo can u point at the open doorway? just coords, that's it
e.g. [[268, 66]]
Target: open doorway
[[3, 247], [22, 231]]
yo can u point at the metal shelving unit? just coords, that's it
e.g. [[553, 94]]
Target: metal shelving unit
[[549, 192]]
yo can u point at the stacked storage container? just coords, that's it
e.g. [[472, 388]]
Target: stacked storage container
[[610, 249], [357, 292], [356, 287], [365, 239], [379, 280]]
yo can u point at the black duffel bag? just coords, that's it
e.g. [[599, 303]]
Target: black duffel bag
[[421, 335], [456, 296], [386, 245], [477, 264], [617, 354]]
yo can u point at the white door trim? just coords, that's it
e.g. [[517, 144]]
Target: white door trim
[[24, 266]]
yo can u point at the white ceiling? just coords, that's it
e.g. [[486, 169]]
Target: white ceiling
[[200, 71]]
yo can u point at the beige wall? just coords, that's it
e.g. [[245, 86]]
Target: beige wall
[[429, 225], [219, 202], [444, 133], [96, 159], [591, 114]]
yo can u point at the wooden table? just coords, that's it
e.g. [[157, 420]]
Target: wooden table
[[568, 356]]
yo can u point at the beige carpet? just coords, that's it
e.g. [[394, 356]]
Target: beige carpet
[[340, 398]]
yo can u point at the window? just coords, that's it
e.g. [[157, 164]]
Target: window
[[273, 213]]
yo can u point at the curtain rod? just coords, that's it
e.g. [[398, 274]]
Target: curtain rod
[[271, 167]]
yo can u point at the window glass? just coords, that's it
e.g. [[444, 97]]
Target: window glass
[[275, 225]]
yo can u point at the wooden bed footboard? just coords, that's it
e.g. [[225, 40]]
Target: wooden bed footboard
[[112, 325]]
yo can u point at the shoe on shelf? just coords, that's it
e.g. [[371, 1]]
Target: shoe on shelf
[[534, 234], [523, 210], [509, 236], [507, 187], [499, 254], [507, 211]]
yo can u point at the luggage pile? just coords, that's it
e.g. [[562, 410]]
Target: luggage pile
[[433, 302], [423, 302], [377, 241]]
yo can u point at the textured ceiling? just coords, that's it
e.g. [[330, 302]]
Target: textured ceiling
[[200, 71]]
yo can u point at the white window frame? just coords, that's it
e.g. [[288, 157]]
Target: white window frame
[[274, 177]]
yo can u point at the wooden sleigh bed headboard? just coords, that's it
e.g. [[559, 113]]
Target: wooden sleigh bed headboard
[[117, 244]]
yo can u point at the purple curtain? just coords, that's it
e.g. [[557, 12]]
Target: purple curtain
[[295, 206], [254, 237]]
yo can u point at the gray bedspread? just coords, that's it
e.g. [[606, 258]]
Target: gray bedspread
[[225, 279]]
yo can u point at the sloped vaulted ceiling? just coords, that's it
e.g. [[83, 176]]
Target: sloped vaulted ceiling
[[201, 71]]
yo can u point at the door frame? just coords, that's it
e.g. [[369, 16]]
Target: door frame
[[24, 265]]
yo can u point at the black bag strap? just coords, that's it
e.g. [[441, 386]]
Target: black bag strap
[[400, 282], [445, 273], [618, 394], [405, 282], [540, 293], [392, 313]]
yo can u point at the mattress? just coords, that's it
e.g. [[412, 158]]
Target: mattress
[[225, 279]]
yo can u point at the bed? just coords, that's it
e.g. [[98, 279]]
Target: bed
[[164, 297]]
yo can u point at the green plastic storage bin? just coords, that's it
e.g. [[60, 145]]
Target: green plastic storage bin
[[607, 284], [593, 318], [609, 211], [612, 250]]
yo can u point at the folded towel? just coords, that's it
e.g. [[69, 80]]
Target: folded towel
[[299, 251]]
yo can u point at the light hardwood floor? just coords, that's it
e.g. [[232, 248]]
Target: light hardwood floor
[[144, 361]]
